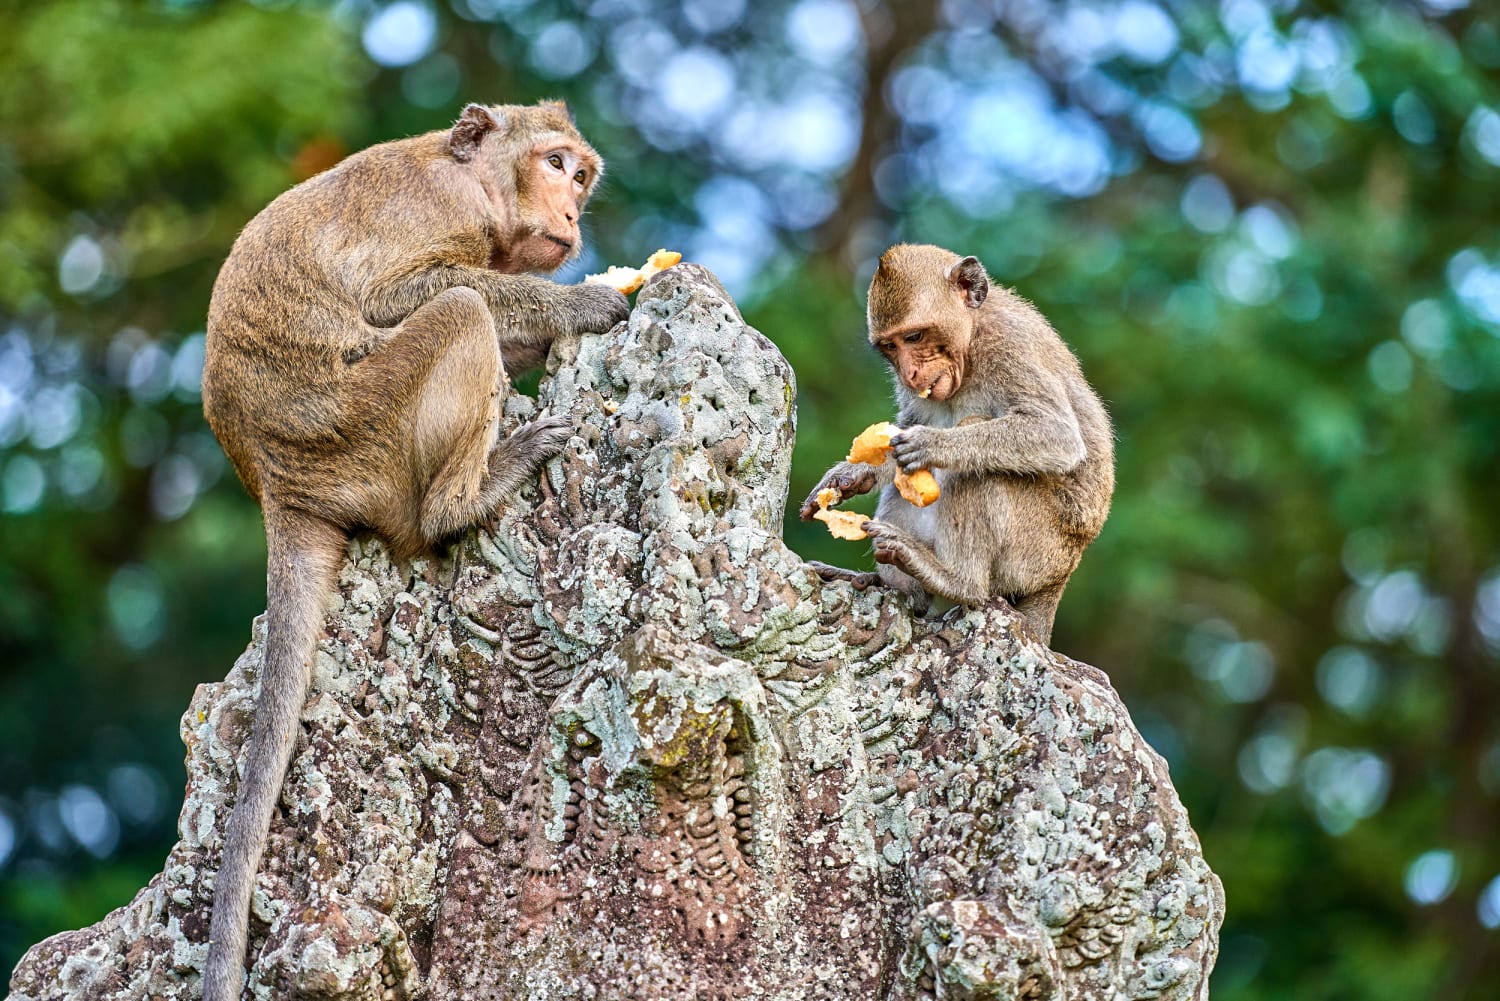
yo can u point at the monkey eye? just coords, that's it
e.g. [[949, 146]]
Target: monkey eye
[[915, 337], [582, 177], [556, 161]]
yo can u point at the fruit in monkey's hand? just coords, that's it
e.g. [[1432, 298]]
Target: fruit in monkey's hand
[[873, 446], [627, 280], [841, 524]]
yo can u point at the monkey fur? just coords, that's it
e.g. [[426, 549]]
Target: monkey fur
[[993, 402], [359, 338]]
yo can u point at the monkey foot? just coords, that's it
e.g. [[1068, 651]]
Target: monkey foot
[[860, 580]]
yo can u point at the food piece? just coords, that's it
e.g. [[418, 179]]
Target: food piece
[[622, 280], [873, 444], [920, 488], [873, 447], [660, 261], [627, 280], [843, 524]]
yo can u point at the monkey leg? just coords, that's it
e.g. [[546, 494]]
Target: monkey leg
[[517, 459], [1039, 609], [905, 552], [421, 415], [455, 421], [459, 410]]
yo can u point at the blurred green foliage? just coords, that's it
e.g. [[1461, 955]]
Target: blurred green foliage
[[1266, 227]]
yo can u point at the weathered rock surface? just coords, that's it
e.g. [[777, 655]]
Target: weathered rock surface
[[624, 744]]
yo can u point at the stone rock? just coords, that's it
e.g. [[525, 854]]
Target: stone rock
[[623, 743]]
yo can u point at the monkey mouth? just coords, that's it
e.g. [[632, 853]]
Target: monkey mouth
[[565, 244], [939, 388]]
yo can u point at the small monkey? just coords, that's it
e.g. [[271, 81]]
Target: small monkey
[[993, 402], [359, 338]]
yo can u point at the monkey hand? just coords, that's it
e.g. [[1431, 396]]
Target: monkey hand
[[597, 308], [847, 479], [917, 447]]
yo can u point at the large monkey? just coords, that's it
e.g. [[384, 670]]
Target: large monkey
[[994, 403], [359, 336]]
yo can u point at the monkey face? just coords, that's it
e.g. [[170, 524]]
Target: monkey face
[[925, 360], [561, 177], [553, 181], [922, 308], [537, 172]]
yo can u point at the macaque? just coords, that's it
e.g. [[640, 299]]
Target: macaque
[[995, 405], [360, 337]]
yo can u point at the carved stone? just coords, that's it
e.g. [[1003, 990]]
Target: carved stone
[[625, 744]]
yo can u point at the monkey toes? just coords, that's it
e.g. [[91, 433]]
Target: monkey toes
[[860, 579], [542, 439]]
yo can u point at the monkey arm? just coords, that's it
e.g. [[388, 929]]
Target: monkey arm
[[527, 309], [1038, 436]]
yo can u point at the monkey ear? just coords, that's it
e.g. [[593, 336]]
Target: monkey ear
[[968, 279], [561, 106], [469, 131]]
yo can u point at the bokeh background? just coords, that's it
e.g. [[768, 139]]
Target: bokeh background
[[1268, 228]]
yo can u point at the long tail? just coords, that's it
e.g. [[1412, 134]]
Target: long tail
[[305, 555]]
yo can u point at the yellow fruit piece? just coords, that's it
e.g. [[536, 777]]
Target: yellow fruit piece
[[873, 447], [920, 488], [622, 280], [627, 280], [873, 444], [843, 524], [827, 497], [660, 261]]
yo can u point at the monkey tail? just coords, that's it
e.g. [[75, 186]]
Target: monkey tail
[[305, 553]]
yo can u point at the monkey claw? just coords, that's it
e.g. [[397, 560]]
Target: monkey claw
[[625, 743]]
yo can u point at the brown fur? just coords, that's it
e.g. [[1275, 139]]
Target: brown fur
[[1021, 445], [359, 337]]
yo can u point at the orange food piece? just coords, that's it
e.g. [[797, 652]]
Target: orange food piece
[[873, 444], [843, 524], [873, 447], [920, 488], [660, 261], [627, 280], [622, 280]]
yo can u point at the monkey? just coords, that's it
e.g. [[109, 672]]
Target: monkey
[[996, 405], [359, 339]]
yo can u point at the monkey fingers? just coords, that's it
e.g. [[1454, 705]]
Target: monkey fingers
[[599, 308], [915, 449]]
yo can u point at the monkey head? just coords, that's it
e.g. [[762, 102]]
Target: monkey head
[[537, 171], [923, 306]]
